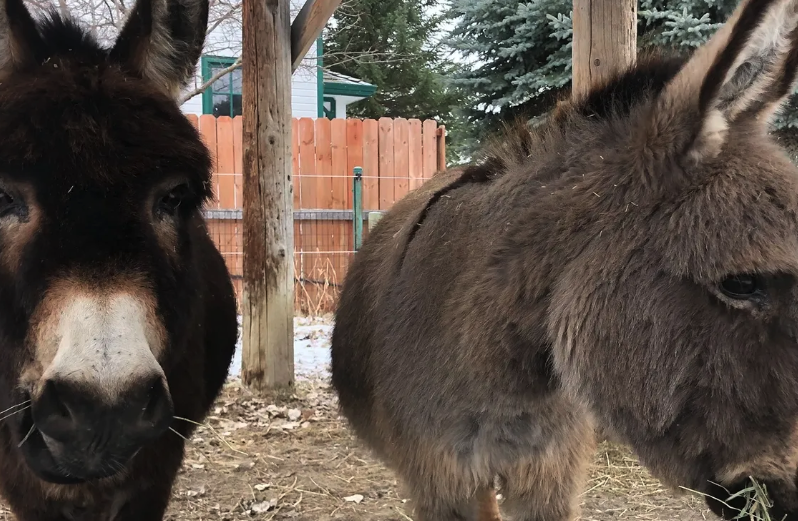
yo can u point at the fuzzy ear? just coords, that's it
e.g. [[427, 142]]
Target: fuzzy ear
[[19, 36], [162, 41], [745, 71]]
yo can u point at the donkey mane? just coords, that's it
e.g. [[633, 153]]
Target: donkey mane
[[613, 100], [640, 82]]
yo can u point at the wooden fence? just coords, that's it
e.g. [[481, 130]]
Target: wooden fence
[[397, 155]]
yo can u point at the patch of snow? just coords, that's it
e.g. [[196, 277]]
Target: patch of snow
[[312, 337]]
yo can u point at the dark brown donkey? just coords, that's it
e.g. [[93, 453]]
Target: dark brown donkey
[[634, 262], [118, 313]]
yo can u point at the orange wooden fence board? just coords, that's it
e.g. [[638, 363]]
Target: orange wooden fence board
[[371, 165], [294, 161], [307, 163], [386, 172], [401, 157], [339, 171], [323, 181], [225, 161]]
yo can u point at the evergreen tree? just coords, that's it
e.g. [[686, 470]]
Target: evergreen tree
[[392, 44], [681, 24], [521, 50], [520, 54]]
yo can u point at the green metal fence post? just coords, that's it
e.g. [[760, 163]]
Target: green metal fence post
[[357, 204]]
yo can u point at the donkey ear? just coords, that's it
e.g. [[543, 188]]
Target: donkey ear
[[745, 71], [19, 36], [162, 41]]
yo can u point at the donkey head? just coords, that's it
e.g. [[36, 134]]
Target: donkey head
[[678, 320], [101, 181]]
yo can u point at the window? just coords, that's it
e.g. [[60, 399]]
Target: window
[[223, 97]]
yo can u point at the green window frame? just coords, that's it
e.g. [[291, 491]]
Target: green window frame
[[223, 98], [329, 113]]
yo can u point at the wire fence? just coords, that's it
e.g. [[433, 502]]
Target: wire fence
[[323, 248], [325, 242]]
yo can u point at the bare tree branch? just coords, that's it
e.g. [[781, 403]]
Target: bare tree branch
[[214, 24], [106, 18], [199, 90]]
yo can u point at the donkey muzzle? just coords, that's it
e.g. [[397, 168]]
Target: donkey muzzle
[[78, 437]]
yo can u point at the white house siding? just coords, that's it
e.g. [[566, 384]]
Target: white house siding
[[304, 89], [341, 102], [192, 106]]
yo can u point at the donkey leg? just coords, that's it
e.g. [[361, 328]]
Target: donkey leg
[[487, 507], [545, 487], [481, 506], [445, 487]]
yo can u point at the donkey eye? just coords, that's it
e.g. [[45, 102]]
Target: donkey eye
[[741, 286], [170, 201], [6, 202], [9, 205]]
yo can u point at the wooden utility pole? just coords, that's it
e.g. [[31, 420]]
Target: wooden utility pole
[[272, 49], [604, 41], [268, 292]]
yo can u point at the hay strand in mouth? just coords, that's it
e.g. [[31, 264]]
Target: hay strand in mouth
[[757, 502]]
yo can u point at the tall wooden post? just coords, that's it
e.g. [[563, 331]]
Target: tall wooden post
[[268, 292], [604, 41]]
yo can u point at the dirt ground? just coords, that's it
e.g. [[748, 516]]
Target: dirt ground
[[293, 457]]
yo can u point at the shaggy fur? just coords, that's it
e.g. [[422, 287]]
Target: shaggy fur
[[101, 184], [632, 262]]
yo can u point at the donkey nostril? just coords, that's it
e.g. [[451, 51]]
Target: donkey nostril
[[158, 410], [72, 414], [151, 407], [51, 413]]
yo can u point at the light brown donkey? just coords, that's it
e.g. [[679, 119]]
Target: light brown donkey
[[633, 262]]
